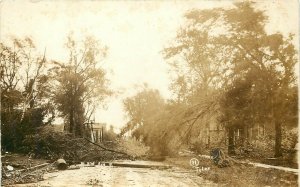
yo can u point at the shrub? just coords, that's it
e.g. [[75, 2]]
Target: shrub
[[47, 143], [14, 130], [263, 146], [133, 147], [289, 139]]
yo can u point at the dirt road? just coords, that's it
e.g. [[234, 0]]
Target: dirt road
[[122, 176]]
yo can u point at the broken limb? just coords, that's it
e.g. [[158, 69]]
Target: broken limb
[[104, 148]]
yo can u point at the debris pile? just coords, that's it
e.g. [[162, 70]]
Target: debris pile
[[11, 175], [62, 150], [53, 145]]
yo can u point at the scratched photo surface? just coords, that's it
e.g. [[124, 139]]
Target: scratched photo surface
[[149, 93]]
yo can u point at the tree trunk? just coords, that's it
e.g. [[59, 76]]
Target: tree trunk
[[231, 141], [78, 130], [71, 121], [30, 92], [278, 138]]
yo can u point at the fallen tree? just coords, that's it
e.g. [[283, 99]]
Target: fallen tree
[[53, 145]]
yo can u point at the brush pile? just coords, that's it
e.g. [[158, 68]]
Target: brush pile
[[52, 145]]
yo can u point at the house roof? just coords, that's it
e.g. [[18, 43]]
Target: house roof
[[99, 125]]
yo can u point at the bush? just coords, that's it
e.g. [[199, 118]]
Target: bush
[[133, 147], [14, 130], [263, 146], [47, 143], [289, 139]]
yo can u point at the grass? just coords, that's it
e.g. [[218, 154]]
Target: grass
[[238, 174]]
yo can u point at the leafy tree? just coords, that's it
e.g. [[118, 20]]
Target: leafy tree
[[24, 104], [272, 58], [143, 110], [141, 107], [80, 84], [227, 50]]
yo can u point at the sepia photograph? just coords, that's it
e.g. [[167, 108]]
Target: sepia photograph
[[167, 93]]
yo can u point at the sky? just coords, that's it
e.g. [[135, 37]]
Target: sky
[[135, 32]]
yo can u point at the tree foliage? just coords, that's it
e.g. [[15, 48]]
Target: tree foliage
[[228, 51], [24, 104], [141, 109], [80, 83], [34, 89]]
